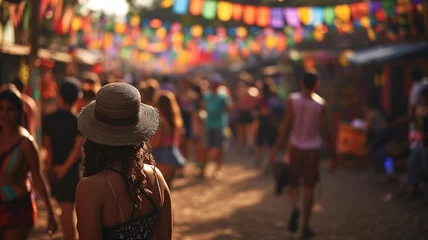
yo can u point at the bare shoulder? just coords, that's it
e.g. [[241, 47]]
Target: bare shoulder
[[317, 98], [294, 96], [153, 174], [150, 170], [30, 101], [92, 186], [28, 141]]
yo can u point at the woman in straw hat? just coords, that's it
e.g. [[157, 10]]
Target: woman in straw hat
[[123, 195]]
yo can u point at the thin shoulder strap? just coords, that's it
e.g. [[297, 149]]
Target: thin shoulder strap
[[157, 181], [115, 197], [4, 155]]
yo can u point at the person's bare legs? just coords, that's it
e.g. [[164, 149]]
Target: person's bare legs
[[66, 219], [184, 147], [241, 136], [293, 224], [293, 196], [249, 131], [308, 202], [218, 156], [15, 234]]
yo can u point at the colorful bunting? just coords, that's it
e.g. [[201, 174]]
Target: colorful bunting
[[196, 7], [343, 12], [263, 16], [305, 15], [359, 10], [167, 3], [292, 17], [277, 19], [317, 16], [329, 15], [209, 11], [224, 11], [249, 16], [180, 7], [237, 12]]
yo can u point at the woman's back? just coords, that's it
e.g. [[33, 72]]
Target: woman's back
[[121, 216]]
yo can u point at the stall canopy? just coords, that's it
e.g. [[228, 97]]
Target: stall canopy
[[381, 54]]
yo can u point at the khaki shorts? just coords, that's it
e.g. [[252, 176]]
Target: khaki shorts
[[304, 166]]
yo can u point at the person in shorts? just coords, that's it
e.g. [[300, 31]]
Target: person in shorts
[[63, 144], [306, 115], [216, 106]]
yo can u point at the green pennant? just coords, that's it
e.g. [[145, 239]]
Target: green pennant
[[210, 8]]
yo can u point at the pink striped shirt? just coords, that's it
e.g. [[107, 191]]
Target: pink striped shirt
[[305, 133]]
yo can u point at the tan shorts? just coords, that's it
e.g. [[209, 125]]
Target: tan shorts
[[304, 166]]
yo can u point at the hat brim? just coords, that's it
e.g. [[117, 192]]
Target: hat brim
[[131, 135]]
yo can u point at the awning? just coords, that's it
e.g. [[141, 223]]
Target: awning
[[386, 53]]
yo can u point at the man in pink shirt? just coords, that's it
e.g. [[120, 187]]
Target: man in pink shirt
[[306, 115]]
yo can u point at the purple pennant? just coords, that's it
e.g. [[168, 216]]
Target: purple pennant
[[277, 20], [416, 1], [375, 6], [292, 17]]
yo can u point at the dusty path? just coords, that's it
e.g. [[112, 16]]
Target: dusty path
[[240, 205]]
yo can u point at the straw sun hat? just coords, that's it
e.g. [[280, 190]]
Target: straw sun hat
[[118, 118]]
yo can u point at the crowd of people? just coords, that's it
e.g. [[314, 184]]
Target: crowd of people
[[130, 142], [191, 120]]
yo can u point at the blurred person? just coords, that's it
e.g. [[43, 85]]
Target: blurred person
[[149, 91], [90, 86], [48, 92], [19, 155], [30, 107], [216, 106], [305, 118], [376, 121], [186, 100], [419, 156], [228, 116], [123, 195], [63, 145], [267, 130], [198, 126], [167, 138], [246, 103], [419, 82]]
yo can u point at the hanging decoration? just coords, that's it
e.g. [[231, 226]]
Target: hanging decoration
[[267, 31], [329, 15], [224, 11], [305, 15], [164, 3], [292, 17], [317, 16], [180, 7], [249, 16], [209, 11], [237, 12], [343, 12], [359, 10], [277, 20], [196, 7], [263, 16]]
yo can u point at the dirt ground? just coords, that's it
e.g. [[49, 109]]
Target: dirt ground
[[241, 205]]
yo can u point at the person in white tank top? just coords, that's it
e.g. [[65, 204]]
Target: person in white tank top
[[304, 125]]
